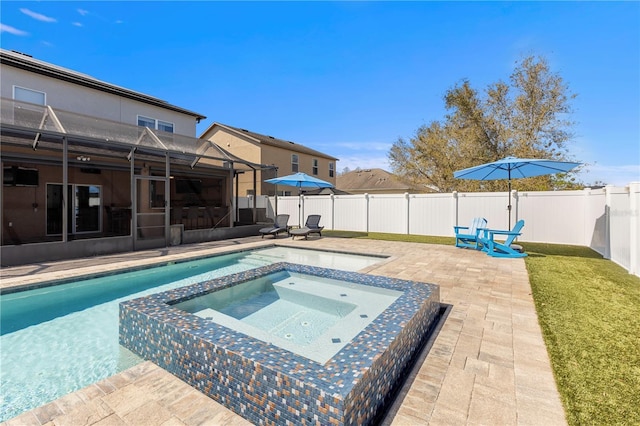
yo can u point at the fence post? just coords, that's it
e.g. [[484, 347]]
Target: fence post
[[366, 197], [607, 221], [587, 215], [333, 211], [634, 228], [406, 196], [455, 207]]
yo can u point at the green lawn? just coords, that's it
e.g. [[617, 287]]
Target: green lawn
[[589, 311]]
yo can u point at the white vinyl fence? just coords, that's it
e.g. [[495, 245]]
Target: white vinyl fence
[[607, 219]]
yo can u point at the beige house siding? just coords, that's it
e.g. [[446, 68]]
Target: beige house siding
[[243, 148], [250, 148], [69, 96]]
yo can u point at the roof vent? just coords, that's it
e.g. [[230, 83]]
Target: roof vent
[[291, 143], [271, 137], [245, 130]]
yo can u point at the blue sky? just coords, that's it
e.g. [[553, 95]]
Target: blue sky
[[349, 78]]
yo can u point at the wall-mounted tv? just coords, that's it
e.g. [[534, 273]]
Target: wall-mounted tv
[[188, 186], [20, 176]]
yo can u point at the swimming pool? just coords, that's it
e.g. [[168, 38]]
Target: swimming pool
[[61, 338]]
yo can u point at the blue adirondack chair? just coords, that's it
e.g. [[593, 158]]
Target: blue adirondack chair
[[467, 236], [501, 249]]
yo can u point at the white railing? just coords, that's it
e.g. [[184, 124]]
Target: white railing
[[607, 219]]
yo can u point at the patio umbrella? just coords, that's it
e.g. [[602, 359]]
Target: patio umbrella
[[511, 168], [300, 180]]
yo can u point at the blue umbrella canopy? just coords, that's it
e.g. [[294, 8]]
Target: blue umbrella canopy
[[512, 167], [299, 180]]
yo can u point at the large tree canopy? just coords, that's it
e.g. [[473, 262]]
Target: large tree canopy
[[527, 118]]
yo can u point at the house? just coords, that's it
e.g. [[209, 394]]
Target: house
[[374, 181], [92, 168], [29, 80], [285, 156]]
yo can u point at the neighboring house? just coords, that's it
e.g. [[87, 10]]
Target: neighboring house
[[287, 156], [373, 181], [83, 160]]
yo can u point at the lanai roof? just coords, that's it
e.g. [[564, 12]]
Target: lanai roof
[[37, 125]]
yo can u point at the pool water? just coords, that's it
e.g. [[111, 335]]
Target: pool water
[[59, 339], [310, 316], [259, 305]]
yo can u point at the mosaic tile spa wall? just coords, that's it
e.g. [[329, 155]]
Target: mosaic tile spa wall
[[269, 385]]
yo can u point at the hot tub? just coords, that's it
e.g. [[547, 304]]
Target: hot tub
[[285, 342]]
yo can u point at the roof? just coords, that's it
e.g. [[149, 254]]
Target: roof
[[271, 141], [27, 63], [372, 180]]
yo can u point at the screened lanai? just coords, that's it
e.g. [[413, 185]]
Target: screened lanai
[[69, 177]]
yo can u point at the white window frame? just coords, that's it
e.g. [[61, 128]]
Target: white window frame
[[32, 91], [314, 166], [156, 123], [295, 165], [331, 169]]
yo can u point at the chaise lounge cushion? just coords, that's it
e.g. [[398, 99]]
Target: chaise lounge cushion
[[311, 226], [279, 227]]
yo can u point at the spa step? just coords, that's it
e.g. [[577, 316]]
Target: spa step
[[253, 262]]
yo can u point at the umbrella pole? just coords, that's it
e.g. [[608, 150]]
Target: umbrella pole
[[509, 206], [299, 203], [276, 200]]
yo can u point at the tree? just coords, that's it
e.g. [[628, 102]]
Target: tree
[[527, 118]]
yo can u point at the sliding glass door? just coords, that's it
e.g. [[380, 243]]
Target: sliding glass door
[[84, 214]]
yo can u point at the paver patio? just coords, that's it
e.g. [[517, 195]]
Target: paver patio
[[488, 364]]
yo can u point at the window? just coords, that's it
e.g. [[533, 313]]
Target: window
[[28, 95], [294, 163], [165, 127], [331, 169], [314, 166], [146, 122], [152, 123]]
